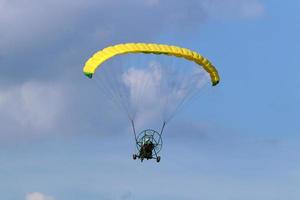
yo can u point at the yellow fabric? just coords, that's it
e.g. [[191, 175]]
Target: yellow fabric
[[101, 56]]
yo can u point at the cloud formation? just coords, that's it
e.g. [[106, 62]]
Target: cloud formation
[[37, 34], [44, 42], [158, 90], [38, 196], [32, 106]]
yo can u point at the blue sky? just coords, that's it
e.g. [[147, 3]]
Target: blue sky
[[238, 140]]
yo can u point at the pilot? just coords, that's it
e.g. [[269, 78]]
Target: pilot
[[146, 149]]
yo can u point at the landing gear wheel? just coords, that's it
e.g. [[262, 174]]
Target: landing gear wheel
[[157, 158], [134, 156]]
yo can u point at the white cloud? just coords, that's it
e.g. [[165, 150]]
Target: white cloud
[[38, 196], [144, 89], [31, 106], [156, 91]]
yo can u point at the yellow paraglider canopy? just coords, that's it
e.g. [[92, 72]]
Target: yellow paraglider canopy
[[101, 56]]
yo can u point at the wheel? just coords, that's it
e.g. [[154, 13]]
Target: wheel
[[134, 156], [157, 158]]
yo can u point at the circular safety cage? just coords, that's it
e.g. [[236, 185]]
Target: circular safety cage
[[147, 136]]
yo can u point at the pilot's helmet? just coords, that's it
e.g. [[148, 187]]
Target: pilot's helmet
[[147, 140]]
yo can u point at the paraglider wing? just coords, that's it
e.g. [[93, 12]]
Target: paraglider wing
[[101, 56]]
